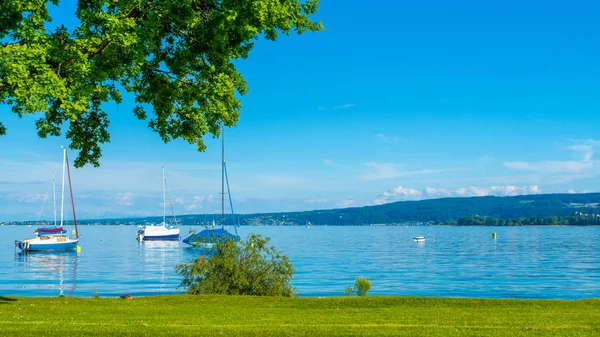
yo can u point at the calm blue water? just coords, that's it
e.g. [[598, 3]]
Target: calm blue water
[[523, 262]]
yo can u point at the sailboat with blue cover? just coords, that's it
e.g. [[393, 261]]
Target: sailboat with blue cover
[[208, 237], [54, 238]]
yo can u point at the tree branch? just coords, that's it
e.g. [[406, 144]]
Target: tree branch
[[100, 47], [171, 75]]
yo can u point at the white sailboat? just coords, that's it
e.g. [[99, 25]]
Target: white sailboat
[[161, 231], [54, 238]]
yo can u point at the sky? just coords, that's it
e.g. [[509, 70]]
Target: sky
[[402, 100]]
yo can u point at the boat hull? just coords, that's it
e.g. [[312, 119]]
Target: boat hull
[[161, 237], [156, 233], [35, 245]]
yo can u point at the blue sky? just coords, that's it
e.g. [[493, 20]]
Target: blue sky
[[401, 100]]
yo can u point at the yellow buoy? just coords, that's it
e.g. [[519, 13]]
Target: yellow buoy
[[73, 232], [494, 235], [78, 249]]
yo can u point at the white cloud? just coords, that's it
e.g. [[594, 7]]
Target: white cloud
[[403, 193], [387, 139], [587, 150], [345, 106], [381, 171], [506, 190], [550, 167], [398, 193], [192, 207], [316, 201], [437, 192], [30, 198], [348, 202], [338, 164], [125, 199], [584, 149], [202, 202], [111, 176], [282, 181]]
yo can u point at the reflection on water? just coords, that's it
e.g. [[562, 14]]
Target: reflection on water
[[157, 257], [522, 262], [49, 271]]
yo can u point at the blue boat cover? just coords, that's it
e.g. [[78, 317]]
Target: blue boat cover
[[211, 236]]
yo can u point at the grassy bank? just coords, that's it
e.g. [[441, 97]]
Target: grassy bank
[[253, 316]]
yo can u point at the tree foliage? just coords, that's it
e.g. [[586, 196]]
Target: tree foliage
[[175, 57], [248, 267]]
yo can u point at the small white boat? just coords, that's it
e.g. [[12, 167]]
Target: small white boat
[[47, 243], [52, 239], [419, 239], [158, 232], [162, 231]]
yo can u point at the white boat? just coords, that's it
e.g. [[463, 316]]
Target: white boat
[[419, 239], [158, 232], [161, 231], [54, 238]]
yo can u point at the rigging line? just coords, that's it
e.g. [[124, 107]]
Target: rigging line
[[44, 203], [47, 194], [230, 202], [71, 193], [170, 201]]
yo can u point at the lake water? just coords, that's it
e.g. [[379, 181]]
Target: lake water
[[522, 262]]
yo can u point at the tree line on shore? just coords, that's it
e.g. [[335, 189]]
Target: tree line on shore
[[574, 220]]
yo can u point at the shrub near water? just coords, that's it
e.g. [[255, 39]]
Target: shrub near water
[[248, 267], [361, 286]]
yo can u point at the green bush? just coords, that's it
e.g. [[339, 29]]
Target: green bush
[[247, 267], [348, 290], [361, 286]]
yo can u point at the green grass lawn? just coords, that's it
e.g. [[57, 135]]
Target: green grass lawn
[[184, 315]]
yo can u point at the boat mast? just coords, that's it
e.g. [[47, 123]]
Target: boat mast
[[164, 198], [222, 176], [54, 200], [71, 192], [62, 200]]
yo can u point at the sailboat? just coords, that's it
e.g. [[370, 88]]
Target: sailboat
[[54, 238], [162, 231], [208, 237]]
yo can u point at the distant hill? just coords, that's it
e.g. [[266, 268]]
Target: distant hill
[[433, 210]]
